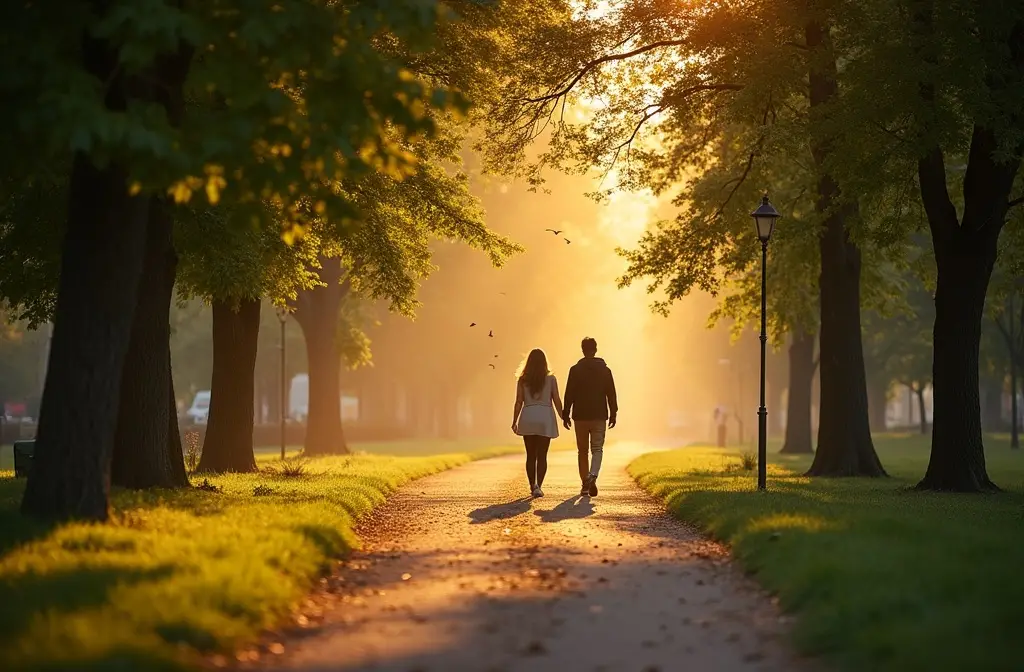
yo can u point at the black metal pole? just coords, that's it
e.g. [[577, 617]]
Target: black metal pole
[[762, 413], [282, 392]]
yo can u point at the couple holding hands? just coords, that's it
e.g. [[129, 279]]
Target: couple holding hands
[[590, 403]]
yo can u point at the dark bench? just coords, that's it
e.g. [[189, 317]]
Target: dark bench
[[23, 451]]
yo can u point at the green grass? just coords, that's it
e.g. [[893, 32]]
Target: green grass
[[176, 573], [878, 576]]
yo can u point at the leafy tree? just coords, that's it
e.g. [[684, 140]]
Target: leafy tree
[[678, 80], [108, 84], [928, 84], [233, 267]]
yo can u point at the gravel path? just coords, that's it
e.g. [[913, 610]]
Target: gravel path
[[461, 571]]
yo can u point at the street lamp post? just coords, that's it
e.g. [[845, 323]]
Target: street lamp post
[[282, 316], [764, 220]]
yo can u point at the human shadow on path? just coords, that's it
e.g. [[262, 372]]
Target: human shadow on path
[[574, 507], [500, 511]]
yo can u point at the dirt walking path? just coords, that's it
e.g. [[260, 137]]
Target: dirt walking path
[[461, 571]]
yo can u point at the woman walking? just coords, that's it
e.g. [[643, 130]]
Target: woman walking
[[533, 417]]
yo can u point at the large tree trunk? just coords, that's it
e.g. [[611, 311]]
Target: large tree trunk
[[844, 434], [96, 297], [228, 442], [801, 382], [965, 253], [142, 446], [958, 452], [316, 311]]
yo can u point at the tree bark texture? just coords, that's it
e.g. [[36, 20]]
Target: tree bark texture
[[845, 447], [228, 443], [96, 296], [798, 409], [143, 452]]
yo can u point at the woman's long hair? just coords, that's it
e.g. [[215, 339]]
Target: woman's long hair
[[534, 371]]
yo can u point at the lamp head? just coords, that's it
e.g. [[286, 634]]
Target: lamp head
[[764, 219]]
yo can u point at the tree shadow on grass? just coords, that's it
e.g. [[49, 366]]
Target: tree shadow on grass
[[24, 597], [16, 529], [500, 511]]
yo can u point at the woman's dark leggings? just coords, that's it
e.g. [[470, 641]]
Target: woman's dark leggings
[[536, 458]]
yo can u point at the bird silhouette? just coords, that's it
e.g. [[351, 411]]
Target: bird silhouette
[[490, 334], [567, 241], [472, 324], [503, 293], [554, 231], [495, 356], [492, 366]]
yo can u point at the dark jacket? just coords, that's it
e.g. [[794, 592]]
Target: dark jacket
[[590, 391]]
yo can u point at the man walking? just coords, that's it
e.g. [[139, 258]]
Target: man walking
[[590, 402]]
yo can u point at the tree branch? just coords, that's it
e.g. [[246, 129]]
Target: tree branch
[[591, 65], [1015, 202]]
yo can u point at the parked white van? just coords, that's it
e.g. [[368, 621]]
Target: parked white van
[[199, 412]]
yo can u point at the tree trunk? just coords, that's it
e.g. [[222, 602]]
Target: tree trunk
[[878, 402], [100, 268], [228, 442], [142, 458], [845, 447], [921, 409], [957, 460], [316, 311], [798, 409]]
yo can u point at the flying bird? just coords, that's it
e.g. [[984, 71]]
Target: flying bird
[[492, 366], [490, 334], [554, 231], [495, 356], [567, 241], [503, 293], [472, 324]]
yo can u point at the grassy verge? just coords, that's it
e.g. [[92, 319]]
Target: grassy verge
[[878, 576], [181, 572]]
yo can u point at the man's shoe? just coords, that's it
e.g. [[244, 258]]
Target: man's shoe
[[585, 490], [592, 486]]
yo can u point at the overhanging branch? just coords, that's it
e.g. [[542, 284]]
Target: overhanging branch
[[591, 65]]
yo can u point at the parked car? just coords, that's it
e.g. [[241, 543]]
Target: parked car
[[199, 412]]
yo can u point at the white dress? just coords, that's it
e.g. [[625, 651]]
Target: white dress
[[538, 415]]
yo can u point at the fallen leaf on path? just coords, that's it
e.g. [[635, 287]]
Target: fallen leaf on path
[[277, 648], [406, 576]]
